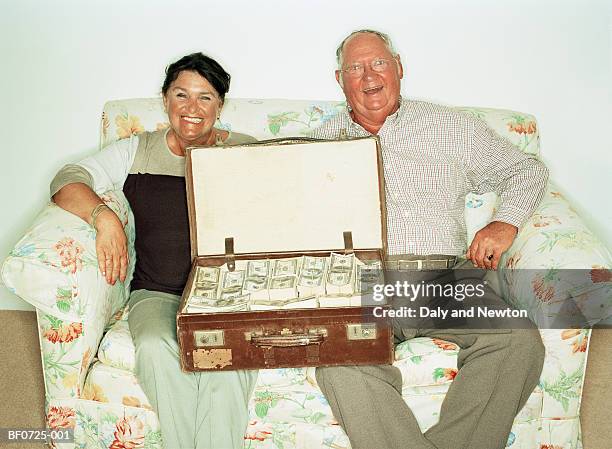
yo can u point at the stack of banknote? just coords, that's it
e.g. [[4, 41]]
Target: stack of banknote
[[211, 295], [340, 277], [312, 276], [257, 280], [295, 282]]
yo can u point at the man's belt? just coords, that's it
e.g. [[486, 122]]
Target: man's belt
[[414, 262]]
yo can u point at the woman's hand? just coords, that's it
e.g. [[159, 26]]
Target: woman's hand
[[111, 247], [111, 242]]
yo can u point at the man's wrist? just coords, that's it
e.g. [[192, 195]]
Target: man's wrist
[[509, 225]]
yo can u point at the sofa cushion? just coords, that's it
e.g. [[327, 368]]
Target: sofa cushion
[[424, 361], [428, 366], [108, 384], [117, 347], [289, 400], [280, 396]]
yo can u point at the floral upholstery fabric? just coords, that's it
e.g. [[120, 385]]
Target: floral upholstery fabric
[[59, 252], [117, 348], [102, 401], [288, 408]]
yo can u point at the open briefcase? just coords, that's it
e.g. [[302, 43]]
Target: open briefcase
[[285, 235]]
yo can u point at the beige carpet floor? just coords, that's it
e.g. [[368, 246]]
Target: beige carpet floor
[[22, 390], [595, 415]]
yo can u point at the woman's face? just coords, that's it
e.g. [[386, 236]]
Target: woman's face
[[193, 106]]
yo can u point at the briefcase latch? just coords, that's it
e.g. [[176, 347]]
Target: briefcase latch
[[361, 331], [208, 338]]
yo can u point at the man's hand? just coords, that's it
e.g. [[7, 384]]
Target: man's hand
[[490, 243], [111, 247]]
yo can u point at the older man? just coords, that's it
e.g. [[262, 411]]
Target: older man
[[432, 157]]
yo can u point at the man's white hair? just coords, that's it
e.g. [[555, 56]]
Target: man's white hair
[[384, 37]]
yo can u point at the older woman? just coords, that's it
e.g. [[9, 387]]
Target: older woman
[[203, 410]]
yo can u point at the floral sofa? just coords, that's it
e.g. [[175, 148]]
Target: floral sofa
[[88, 355]]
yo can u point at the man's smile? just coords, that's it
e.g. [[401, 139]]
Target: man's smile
[[372, 90]]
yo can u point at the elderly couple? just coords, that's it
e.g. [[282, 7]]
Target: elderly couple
[[448, 153]]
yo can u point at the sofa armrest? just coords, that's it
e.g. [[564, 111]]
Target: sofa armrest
[[67, 348], [54, 266], [562, 378], [551, 270], [558, 269]]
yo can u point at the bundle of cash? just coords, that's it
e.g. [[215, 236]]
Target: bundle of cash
[[308, 302], [311, 280], [233, 304], [257, 288], [295, 282], [202, 293], [335, 301], [207, 275], [284, 278], [341, 274], [286, 267], [283, 287], [258, 269], [367, 275], [257, 282], [206, 285], [231, 284]]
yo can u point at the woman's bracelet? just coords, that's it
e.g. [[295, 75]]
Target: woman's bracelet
[[97, 211]]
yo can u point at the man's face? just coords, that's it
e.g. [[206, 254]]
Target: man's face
[[374, 94]]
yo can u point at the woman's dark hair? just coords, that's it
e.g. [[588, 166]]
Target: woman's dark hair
[[205, 66]]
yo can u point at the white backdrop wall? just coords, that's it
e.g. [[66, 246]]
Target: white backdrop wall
[[62, 60]]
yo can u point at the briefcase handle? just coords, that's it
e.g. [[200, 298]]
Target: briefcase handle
[[286, 341]]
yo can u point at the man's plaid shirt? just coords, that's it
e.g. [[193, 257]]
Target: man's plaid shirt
[[433, 156]]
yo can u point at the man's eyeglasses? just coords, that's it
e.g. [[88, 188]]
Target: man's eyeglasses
[[356, 70]]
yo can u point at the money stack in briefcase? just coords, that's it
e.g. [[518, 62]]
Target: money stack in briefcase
[[287, 242]]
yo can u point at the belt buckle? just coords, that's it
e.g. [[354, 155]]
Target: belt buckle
[[423, 264], [405, 265]]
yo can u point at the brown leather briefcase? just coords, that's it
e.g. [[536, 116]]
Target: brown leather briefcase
[[277, 200]]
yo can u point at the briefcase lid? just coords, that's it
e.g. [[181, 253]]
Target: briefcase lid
[[286, 195]]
